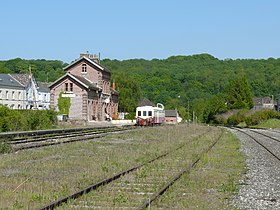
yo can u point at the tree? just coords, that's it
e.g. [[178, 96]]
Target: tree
[[129, 92], [239, 95]]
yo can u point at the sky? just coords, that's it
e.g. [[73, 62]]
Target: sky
[[148, 29]]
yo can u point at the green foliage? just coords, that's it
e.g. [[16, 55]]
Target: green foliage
[[271, 123], [43, 70], [197, 79], [15, 120], [129, 92], [10, 120], [246, 117], [239, 95], [4, 147], [64, 104], [260, 116], [40, 119], [237, 118], [216, 104]]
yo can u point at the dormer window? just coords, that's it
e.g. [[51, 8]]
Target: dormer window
[[84, 68]]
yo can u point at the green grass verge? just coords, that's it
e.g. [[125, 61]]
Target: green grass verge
[[214, 181], [271, 123]]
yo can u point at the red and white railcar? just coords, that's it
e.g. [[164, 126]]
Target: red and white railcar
[[149, 115]]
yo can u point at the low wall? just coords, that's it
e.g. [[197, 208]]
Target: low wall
[[124, 122]]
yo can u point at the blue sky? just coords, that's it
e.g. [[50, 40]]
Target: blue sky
[[127, 29]]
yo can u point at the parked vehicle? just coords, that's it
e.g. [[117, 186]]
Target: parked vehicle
[[149, 115]]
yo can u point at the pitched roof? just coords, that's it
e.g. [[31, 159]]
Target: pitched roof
[[90, 61], [145, 102], [262, 100], [87, 82], [170, 113], [8, 81], [81, 80], [22, 78], [43, 87]]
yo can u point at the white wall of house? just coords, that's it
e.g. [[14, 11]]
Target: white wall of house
[[43, 100], [12, 98]]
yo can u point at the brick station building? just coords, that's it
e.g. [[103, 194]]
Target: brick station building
[[87, 84]]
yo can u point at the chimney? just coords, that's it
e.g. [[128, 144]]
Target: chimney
[[114, 86], [92, 57]]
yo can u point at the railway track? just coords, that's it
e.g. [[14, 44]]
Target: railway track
[[48, 139], [139, 186], [261, 188], [268, 142]]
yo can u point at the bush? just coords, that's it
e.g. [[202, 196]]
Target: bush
[[40, 119], [15, 120], [10, 120], [237, 118], [260, 116], [5, 148]]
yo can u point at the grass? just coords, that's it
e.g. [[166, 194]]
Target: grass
[[214, 181], [33, 178], [271, 123]]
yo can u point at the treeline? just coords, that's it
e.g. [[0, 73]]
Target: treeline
[[43, 70], [191, 84]]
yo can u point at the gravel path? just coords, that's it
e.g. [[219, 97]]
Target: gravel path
[[260, 188]]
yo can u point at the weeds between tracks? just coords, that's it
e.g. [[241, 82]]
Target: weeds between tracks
[[46, 174]]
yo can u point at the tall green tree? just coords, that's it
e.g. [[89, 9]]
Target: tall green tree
[[239, 94], [129, 92]]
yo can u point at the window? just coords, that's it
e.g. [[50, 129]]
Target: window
[[13, 95], [150, 113], [0, 94], [84, 68], [144, 113], [66, 86], [139, 113], [71, 87], [7, 94], [19, 95]]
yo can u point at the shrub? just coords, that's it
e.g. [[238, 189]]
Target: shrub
[[15, 120], [237, 118], [260, 116], [5, 148]]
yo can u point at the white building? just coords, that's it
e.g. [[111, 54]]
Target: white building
[[43, 95], [12, 93], [21, 91]]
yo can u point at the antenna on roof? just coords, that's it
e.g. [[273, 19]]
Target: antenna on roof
[[30, 73]]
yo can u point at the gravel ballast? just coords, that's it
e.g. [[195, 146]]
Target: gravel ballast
[[260, 186]]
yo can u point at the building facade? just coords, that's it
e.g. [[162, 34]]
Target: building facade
[[18, 91], [43, 100], [12, 93], [87, 84]]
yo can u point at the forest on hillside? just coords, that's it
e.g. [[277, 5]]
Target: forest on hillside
[[186, 83]]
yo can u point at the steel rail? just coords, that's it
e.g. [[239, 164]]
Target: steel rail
[[13, 134], [273, 138], [53, 141], [258, 142], [156, 195], [88, 189], [66, 135]]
